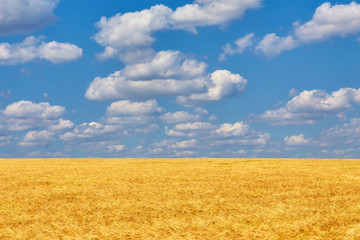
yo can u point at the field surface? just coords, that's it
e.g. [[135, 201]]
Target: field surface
[[179, 199]]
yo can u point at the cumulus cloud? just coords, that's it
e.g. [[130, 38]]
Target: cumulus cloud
[[5, 140], [179, 117], [128, 120], [210, 12], [116, 148], [32, 48], [204, 135], [133, 108], [293, 92], [174, 133], [253, 139], [237, 129], [184, 144], [347, 134], [311, 106], [116, 86], [240, 45], [130, 31], [185, 153], [26, 115], [27, 109], [328, 21], [128, 36], [297, 140], [337, 20], [24, 16], [95, 132], [92, 131], [37, 138], [194, 126], [169, 73], [165, 65], [62, 125], [272, 45], [222, 84]]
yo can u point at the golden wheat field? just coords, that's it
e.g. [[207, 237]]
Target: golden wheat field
[[179, 199]]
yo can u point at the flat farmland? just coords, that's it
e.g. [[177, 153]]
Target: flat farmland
[[179, 199]]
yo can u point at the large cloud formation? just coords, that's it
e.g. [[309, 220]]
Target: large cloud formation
[[169, 73], [128, 36]]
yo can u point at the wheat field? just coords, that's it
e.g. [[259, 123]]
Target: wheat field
[[179, 199]]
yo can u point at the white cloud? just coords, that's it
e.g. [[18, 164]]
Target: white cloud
[[200, 110], [59, 52], [297, 140], [179, 117], [117, 86], [27, 109], [5, 140], [37, 138], [32, 48], [293, 92], [185, 153], [222, 84], [169, 73], [116, 148], [272, 45], [311, 106], [24, 115], [130, 31], [253, 139], [337, 20], [61, 126], [128, 36], [240, 45], [165, 65], [328, 21], [210, 12], [194, 126], [133, 108], [128, 120], [173, 133], [24, 16], [184, 144], [92, 131], [237, 129], [347, 134]]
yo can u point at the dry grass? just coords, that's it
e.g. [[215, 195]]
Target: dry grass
[[179, 199]]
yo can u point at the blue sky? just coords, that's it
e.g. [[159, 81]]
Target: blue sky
[[202, 78]]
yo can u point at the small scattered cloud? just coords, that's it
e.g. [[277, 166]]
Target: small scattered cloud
[[179, 117], [35, 48], [237, 129], [293, 92], [212, 12], [184, 144], [116, 148], [297, 140], [133, 108], [241, 45], [272, 45]]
